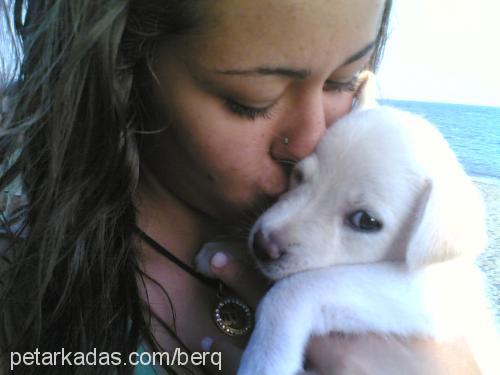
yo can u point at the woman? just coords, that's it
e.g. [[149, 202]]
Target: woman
[[180, 118]]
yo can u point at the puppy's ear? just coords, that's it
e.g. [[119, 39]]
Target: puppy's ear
[[448, 222], [365, 95]]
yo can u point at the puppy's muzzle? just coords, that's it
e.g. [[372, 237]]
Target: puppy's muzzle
[[267, 248]]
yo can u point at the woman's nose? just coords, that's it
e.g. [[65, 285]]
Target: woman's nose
[[301, 130]]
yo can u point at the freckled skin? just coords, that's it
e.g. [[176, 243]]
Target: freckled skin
[[223, 164]]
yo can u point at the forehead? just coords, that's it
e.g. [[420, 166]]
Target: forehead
[[308, 34], [374, 145], [370, 162]]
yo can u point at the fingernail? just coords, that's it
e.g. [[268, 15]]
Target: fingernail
[[206, 343], [219, 260]]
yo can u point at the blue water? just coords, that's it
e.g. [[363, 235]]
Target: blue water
[[472, 131]]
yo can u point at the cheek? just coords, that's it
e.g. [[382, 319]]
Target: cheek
[[229, 158], [208, 134], [218, 144]]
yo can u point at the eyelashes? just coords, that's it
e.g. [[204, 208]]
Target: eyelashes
[[254, 113], [251, 113], [350, 86]]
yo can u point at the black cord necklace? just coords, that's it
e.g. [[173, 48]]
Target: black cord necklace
[[231, 315]]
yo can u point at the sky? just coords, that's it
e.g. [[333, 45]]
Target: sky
[[443, 50]]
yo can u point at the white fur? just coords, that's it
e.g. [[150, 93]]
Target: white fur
[[415, 277]]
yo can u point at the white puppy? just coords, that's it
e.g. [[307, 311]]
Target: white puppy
[[376, 234]]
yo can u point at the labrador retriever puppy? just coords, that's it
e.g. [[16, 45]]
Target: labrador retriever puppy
[[377, 234]]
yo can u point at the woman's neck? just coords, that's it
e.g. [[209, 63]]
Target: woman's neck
[[170, 221]]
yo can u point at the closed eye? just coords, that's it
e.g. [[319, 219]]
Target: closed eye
[[248, 112], [350, 86]]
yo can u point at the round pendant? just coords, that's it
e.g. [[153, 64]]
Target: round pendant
[[233, 317]]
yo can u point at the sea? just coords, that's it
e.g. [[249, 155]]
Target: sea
[[473, 132]]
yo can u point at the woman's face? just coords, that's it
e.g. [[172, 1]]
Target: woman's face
[[262, 72]]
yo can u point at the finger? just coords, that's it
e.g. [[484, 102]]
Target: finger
[[242, 277], [328, 352], [224, 357]]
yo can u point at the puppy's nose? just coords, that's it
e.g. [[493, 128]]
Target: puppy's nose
[[266, 249]]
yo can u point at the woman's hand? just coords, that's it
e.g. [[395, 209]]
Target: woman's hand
[[340, 354], [372, 354]]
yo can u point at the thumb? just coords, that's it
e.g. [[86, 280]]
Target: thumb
[[224, 357]]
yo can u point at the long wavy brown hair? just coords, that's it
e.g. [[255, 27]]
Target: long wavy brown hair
[[78, 78]]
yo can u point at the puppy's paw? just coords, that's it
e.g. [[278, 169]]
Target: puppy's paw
[[267, 354]]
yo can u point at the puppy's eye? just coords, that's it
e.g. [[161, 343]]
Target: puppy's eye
[[361, 220]]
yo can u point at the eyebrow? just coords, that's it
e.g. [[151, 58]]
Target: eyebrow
[[292, 73]]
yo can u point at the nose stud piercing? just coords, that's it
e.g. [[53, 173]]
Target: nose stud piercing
[[286, 140]]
